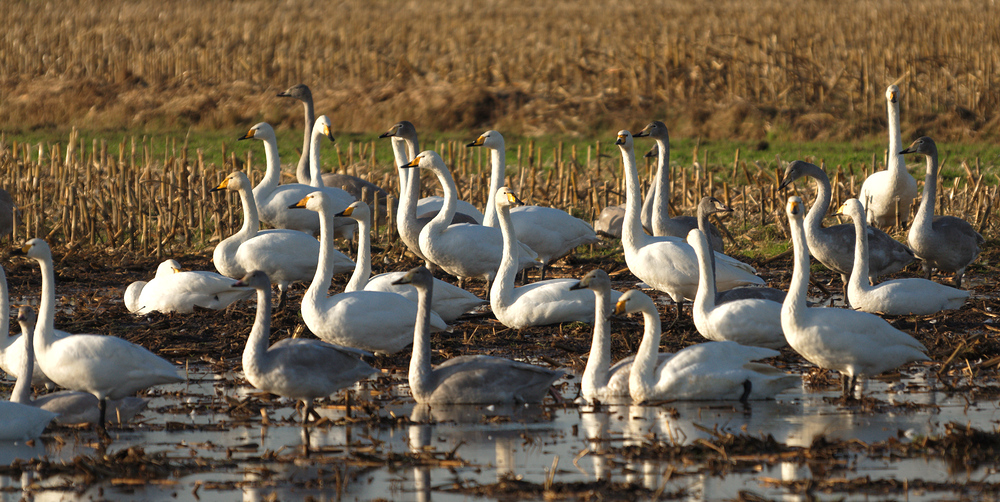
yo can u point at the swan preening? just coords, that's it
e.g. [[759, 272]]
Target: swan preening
[[175, 290], [885, 191]]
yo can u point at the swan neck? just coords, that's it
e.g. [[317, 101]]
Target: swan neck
[[420, 360], [22, 387], [302, 170], [897, 164], [260, 333], [502, 291], [595, 375], [642, 376], [324, 269], [498, 161], [661, 196], [704, 299], [251, 219], [272, 176], [45, 324], [450, 204], [859, 273], [409, 192], [315, 167], [814, 218], [795, 300], [925, 213], [363, 264], [632, 233]]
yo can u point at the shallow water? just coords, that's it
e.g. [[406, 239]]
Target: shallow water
[[184, 425]]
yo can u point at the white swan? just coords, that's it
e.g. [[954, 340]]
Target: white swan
[[896, 297], [19, 420], [450, 302], [668, 264], [462, 250], [883, 191], [750, 321], [467, 379], [369, 320], [833, 246], [174, 290], [539, 303], [298, 368], [287, 256], [273, 199], [712, 370], [946, 243], [12, 347], [660, 221], [72, 407], [105, 366], [551, 233], [851, 342]]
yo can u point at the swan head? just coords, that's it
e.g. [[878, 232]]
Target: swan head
[[795, 209], [797, 169], [26, 317], [924, 145], [597, 280], [624, 139], [710, 205], [892, 93], [235, 181], [653, 152], [132, 293], [655, 129], [317, 201], [697, 240], [418, 276], [634, 301], [490, 139], [402, 129], [358, 211], [852, 208], [35, 248], [322, 126], [256, 279], [167, 268], [261, 131], [300, 92], [506, 198], [426, 159]]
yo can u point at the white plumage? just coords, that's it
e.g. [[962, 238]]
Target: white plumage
[[174, 290], [884, 190]]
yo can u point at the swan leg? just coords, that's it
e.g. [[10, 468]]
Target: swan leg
[[844, 279], [844, 383], [927, 271], [747, 387], [957, 280], [102, 407], [282, 296]]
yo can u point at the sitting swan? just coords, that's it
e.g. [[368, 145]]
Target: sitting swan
[[19, 420], [105, 366], [712, 370], [12, 347], [884, 191], [298, 368], [946, 243], [71, 407], [851, 342], [369, 320], [668, 264], [897, 297], [467, 379], [450, 302], [462, 250], [749, 321], [537, 304], [287, 256], [549, 232], [173, 290]]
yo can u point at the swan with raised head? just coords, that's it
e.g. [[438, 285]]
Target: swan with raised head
[[297, 368], [462, 250], [551, 233], [537, 304], [749, 321], [848, 341], [450, 302], [660, 221], [12, 347], [711, 370], [287, 256], [105, 366], [467, 379], [175, 290], [72, 407], [668, 264], [884, 191], [897, 297], [834, 245], [273, 199], [946, 243], [369, 320]]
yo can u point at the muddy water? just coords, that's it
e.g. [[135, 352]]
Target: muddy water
[[446, 453]]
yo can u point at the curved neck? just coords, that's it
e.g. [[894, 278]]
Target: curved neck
[[641, 380], [595, 375], [45, 324], [704, 225], [257, 342], [409, 191], [859, 274], [450, 204], [251, 220], [704, 300], [420, 360], [272, 176], [897, 164], [925, 213], [302, 170], [315, 169], [661, 196], [814, 218], [795, 300], [363, 265], [498, 161], [502, 291], [632, 234], [324, 269], [22, 388]]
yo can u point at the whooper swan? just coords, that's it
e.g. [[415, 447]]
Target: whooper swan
[[12, 347], [174, 290], [884, 191]]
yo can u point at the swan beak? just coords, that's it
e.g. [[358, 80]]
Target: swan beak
[[301, 203], [248, 135], [793, 207], [175, 270], [641, 134], [892, 97], [577, 286], [621, 140], [346, 212], [908, 150], [239, 284], [406, 279], [413, 163], [511, 198], [21, 251], [840, 210], [620, 307], [222, 186], [329, 133], [478, 142], [388, 134]]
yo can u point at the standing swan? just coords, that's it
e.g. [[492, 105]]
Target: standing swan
[[551, 233], [105, 366], [369, 320], [668, 264], [174, 290], [712, 370], [911, 296], [851, 342], [539, 303], [295, 367], [467, 379], [884, 191], [946, 243]]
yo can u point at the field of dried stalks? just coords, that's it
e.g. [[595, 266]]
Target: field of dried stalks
[[724, 69]]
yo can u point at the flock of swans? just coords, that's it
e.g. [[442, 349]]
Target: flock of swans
[[743, 321]]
